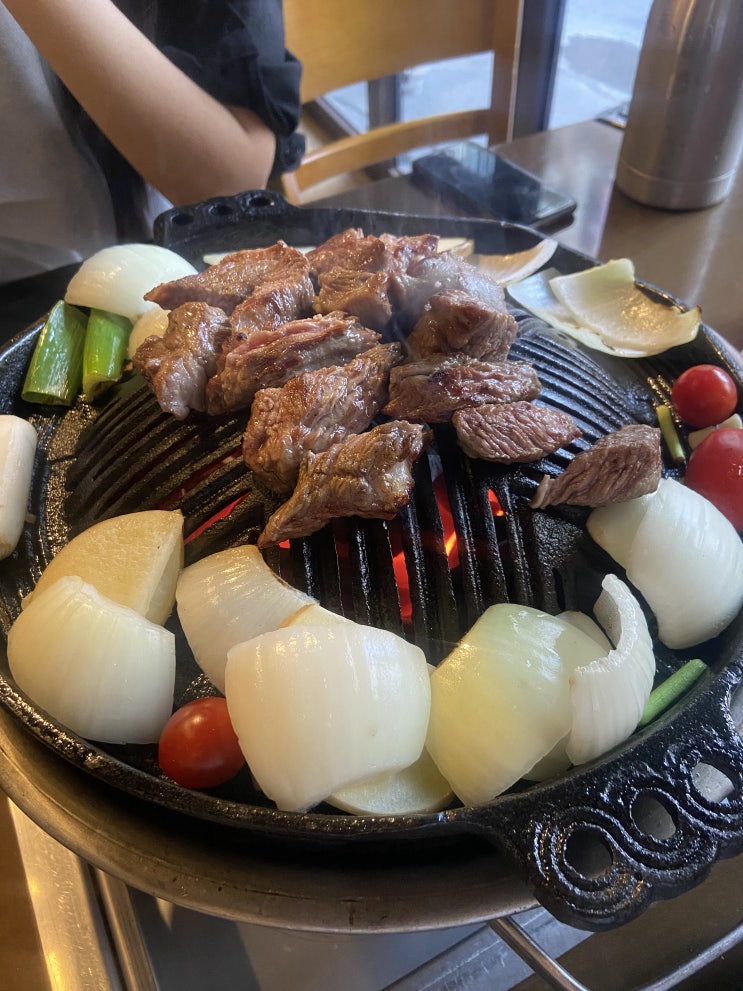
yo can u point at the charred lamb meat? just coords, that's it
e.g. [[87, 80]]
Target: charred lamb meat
[[178, 365], [269, 306], [368, 475], [620, 466], [510, 432], [359, 274], [314, 411], [273, 357], [431, 389], [233, 279], [443, 272], [455, 321]]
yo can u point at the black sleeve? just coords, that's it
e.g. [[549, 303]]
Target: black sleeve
[[234, 49]]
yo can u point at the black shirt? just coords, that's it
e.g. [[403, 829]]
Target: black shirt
[[233, 49]]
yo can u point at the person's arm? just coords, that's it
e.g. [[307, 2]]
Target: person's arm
[[179, 138]]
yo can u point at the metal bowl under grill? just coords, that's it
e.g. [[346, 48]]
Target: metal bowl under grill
[[599, 844]]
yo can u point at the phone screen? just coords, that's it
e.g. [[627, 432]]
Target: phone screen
[[480, 181]]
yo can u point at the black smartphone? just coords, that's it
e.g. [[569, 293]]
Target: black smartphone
[[482, 182]]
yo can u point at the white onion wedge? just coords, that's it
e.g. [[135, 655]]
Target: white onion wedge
[[152, 323], [606, 299], [17, 451], [134, 559], [608, 695], [314, 614], [681, 554], [696, 437], [535, 295], [99, 668], [421, 787], [604, 310], [117, 278], [463, 246], [229, 597], [508, 269], [418, 788], [316, 708], [500, 701]]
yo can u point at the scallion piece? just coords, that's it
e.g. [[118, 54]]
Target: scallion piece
[[668, 430], [55, 372], [670, 690], [105, 348]]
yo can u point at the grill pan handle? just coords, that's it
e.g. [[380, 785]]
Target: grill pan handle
[[601, 845]]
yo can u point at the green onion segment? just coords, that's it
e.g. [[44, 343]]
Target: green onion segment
[[668, 430], [55, 373], [106, 340], [670, 690]]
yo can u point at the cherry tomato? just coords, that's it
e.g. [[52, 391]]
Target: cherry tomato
[[198, 747], [704, 395], [715, 470]]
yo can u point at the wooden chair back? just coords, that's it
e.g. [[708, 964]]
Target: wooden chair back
[[341, 42]]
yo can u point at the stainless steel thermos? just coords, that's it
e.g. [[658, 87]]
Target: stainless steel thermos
[[684, 134]]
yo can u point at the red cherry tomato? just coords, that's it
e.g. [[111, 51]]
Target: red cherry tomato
[[715, 470], [198, 747], [704, 395]]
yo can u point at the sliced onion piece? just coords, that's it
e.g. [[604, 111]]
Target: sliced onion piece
[[317, 708], [99, 668], [228, 597], [606, 299], [463, 246], [681, 554], [500, 701], [134, 559], [314, 614], [696, 437], [535, 295], [608, 695], [421, 787], [508, 269], [418, 788], [152, 323], [17, 452], [588, 625], [117, 278], [614, 527]]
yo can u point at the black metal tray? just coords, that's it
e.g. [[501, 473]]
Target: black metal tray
[[598, 845]]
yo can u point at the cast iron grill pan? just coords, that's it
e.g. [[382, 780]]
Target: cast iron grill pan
[[597, 845]]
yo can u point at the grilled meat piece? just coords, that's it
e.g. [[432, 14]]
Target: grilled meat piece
[[508, 432], [443, 272], [409, 249], [178, 365], [351, 249], [365, 294], [313, 411], [271, 305], [620, 466], [358, 274], [342, 250], [271, 358], [235, 277], [431, 389], [367, 475], [456, 321]]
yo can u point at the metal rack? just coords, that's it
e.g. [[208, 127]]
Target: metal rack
[[96, 930]]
